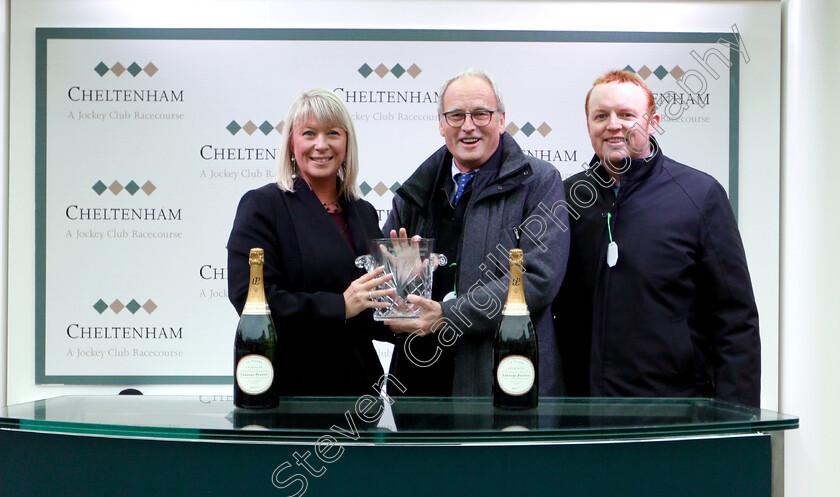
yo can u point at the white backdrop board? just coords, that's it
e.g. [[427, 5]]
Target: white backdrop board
[[147, 138]]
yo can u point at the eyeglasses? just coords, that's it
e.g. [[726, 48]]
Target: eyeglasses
[[456, 118]]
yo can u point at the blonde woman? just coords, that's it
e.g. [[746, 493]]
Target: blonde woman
[[312, 225]]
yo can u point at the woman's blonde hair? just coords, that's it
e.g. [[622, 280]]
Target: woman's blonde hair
[[328, 110]]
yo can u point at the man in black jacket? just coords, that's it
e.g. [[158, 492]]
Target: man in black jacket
[[513, 201], [657, 299]]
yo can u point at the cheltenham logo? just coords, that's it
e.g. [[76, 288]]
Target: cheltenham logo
[[660, 72], [528, 129], [379, 189], [250, 128], [118, 69], [117, 307], [115, 187], [382, 71]]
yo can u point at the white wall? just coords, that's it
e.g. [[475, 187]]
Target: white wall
[[810, 271], [4, 192]]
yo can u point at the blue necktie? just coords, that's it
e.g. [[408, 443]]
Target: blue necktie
[[463, 181]]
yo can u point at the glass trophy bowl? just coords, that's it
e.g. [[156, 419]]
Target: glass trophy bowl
[[410, 262]]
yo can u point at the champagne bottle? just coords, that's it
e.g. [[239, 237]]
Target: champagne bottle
[[515, 350], [255, 345]]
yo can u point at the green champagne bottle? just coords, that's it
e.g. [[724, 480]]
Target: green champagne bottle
[[515, 349], [254, 378]]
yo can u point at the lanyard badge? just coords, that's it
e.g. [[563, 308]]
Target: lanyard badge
[[454, 293], [612, 248]]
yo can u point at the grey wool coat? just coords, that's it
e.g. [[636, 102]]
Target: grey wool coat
[[520, 204]]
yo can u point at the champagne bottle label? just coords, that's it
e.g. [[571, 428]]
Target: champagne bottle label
[[515, 374], [256, 308], [515, 309], [254, 374]]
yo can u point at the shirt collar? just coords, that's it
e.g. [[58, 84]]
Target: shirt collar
[[455, 171], [494, 162]]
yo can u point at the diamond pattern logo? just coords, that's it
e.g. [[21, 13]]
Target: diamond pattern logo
[[148, 187], [382, 70], [528, 129], [149, 306], [118, 69], [380, 188], [134, 69], [644, 72], [544, 129], [100, 306], [101, 69], [233, 127], [117, 306], [99, 187], [365, 70], [266, 127], [250, 128], [116, 187], [677, 72], [131, 187], [660, 72], [133, 306]]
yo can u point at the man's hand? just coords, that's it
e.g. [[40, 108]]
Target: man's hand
[[405, 261], [430, 313], [402, 234]]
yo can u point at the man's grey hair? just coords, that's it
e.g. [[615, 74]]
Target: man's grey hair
[[478, 73]]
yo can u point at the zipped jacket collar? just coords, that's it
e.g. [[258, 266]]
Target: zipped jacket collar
[[419, 188], [638, 170]]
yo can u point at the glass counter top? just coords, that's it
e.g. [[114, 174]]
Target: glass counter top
[[403, 420]]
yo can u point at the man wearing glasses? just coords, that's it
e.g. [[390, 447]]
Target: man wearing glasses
[[478, 197]]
